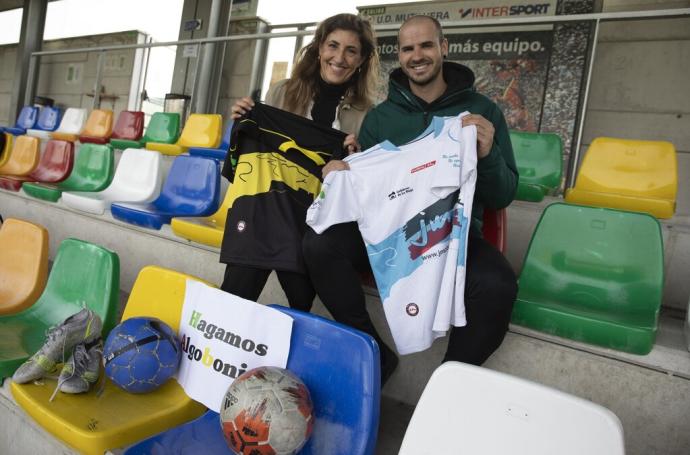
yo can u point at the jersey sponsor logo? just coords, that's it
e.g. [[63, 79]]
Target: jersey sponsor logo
[[412, 309], [422, 166], [241, 226], [433, 225], [401, 192]]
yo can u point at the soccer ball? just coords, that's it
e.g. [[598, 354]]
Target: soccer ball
[[267, 411], [141, 354]]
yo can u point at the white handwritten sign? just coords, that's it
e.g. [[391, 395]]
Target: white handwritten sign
[[222, 337]]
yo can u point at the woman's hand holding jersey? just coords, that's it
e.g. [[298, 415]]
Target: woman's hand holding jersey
[[241, 107]]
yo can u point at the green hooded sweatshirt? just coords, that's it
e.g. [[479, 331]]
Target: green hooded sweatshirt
[[403, 116]]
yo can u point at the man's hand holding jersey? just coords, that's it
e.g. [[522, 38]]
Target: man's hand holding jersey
[[485, 133]]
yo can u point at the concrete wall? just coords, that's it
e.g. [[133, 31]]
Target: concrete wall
[[233, 60], [54, 75], [236, 74]]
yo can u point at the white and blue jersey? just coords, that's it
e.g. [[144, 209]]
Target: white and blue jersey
[[413, 205]]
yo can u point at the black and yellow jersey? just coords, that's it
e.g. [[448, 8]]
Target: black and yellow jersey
[[274, 166]]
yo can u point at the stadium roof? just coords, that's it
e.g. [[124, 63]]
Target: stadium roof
[[6, 5]]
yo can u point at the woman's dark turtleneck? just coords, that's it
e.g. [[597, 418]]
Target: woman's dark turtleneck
[[326, 101]]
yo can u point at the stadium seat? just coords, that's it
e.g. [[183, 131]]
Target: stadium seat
[[5, 147], [128, 130], [593, 275], [71, 124], [23, 158], [641, 176], [23, 264], [340, 367], [539, 158], [98, 127], [25, 120], [469, 409], [215, 153], [191, 189], [54, 166], [82, 274], [163, 128], [207, 230], [93, 424], [201, 130], [495, 228], [93, 171], [48, 120], [137, 179]]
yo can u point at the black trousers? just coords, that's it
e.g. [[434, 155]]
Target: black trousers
[[336, 258], [248, 282]]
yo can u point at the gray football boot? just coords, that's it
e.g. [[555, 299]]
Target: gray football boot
[[82, 368], [82, 327]]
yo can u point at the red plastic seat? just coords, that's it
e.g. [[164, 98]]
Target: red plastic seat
[[495, 228], [129, 126], [55, 166]]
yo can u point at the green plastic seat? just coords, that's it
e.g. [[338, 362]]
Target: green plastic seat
[[594, 275], [82, 274], [539, 158], [93, 171], [164, 127]]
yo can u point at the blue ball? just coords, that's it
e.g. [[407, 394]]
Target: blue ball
[[141, 354]]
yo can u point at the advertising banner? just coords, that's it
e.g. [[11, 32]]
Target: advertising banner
[[457, 10]]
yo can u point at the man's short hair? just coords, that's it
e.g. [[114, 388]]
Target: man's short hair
[[417, 17]]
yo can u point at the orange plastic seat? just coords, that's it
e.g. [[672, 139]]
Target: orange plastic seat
[[98, 127], [23, 264], [23, 157], [201, 130]]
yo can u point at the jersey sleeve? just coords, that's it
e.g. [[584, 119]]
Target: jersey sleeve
[[336, 203]]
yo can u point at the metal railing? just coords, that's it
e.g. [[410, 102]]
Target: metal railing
[[382, 30]]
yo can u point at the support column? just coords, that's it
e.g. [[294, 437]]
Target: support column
[[206, 89], [30, 40]]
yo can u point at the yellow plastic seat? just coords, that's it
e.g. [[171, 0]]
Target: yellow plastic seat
[[98, 127], [23, 264], [6, 147], [201, 130], [207, 230], [23, 157], [93, 424], [640, 176]]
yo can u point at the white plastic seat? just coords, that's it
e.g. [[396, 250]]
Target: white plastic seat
[[138, 179], [469, 409], [71, 124], [41, 134]]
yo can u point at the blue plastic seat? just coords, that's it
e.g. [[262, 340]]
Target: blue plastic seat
[[215, 153], [25, 120], [48, 119], [192, 188], [339, 365]]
